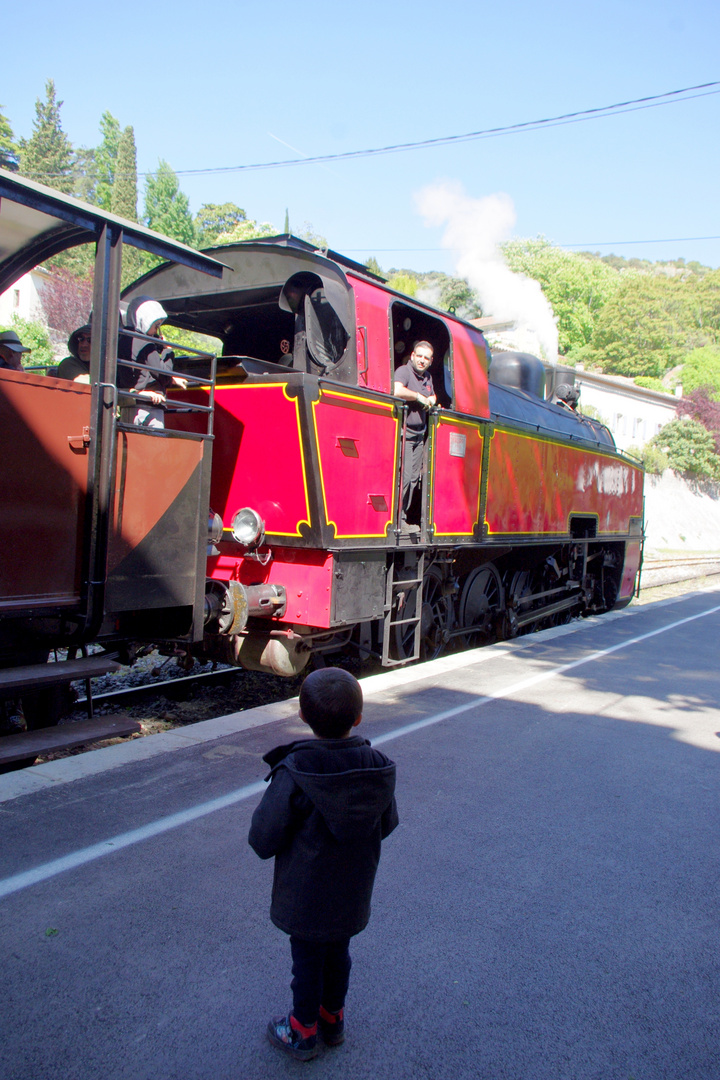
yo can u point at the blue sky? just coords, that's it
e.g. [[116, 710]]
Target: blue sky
[[218, 84]]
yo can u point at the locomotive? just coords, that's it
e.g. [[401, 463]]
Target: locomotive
[[527, 514], [261, 526]]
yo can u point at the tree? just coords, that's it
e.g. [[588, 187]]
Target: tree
[[644, 328], [576, 286], [403, 281], [374, 266], [106, 160], [67, 300], [701, 368], [47, 156], [8, 146], [123, 201], [700, 406], [690, 448], [84, 174], [167, 209], [214, 219], [247, 230]]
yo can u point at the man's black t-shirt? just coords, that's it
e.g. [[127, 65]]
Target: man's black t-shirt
[[421, 384]]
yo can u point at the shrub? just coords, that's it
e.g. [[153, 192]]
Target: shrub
[[690, 448]]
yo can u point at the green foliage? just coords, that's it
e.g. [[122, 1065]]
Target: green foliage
[[8, 146], [167, 208], [701, 367], [214, 219], [690, 448], [79, 261], [48, 155], [374, 266], [106, 160], [247, 230], [644, 328], [654, 460], [650, 382], [577, 286], [403, 282], [84, 182], [457, 296], [188, 339], [308, 234], [123, 196], [34, 336]]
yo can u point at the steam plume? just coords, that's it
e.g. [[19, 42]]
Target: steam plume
[[475, 228]]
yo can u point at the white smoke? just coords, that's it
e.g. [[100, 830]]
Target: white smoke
[[475, 230]]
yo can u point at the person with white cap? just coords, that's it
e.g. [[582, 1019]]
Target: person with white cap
[[11, 350], [146, 316]]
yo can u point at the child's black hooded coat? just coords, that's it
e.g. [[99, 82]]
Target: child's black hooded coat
[[329, 805]]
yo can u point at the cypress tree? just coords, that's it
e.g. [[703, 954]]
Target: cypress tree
[[124, 204], [124, 188], [106, 160], [47, 156]]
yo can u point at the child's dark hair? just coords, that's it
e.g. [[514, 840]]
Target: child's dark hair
[[330, 702]]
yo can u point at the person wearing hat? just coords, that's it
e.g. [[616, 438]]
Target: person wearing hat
[[76, 366], [11, 350]]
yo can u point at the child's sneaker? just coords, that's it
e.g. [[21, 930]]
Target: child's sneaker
[[332, 1026], [289, 1035]]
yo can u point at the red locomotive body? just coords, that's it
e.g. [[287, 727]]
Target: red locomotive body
[[527, 513]]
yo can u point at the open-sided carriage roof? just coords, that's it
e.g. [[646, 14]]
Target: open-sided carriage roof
[[37, 222]]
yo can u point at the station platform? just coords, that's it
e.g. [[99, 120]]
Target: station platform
[[546, 910]]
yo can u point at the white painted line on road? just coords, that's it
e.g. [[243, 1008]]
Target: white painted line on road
[[51, 869], [135, 836]]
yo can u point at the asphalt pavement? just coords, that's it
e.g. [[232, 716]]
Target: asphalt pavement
[[547, 909]]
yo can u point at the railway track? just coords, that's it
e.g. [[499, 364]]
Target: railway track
[[259, 688], [667, 570], [161, 703]]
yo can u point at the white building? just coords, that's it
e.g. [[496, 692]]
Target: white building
[[24, 298]]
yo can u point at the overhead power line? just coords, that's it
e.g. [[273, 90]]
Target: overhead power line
[[653, 101], [589, 244]]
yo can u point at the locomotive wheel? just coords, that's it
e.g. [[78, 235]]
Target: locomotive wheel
[[435, 620], [521, 586], [481, 602]]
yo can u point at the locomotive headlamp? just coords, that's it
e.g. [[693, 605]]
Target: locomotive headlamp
[[248, 528], [215, 528]]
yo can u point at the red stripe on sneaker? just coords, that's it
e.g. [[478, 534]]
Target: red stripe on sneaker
[[306, 1032]]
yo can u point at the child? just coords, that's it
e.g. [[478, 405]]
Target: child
[[330, 803]]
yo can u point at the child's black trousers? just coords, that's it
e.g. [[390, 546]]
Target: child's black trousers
[[321, 973]]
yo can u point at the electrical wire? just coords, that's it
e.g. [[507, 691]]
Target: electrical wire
[[634, 105]]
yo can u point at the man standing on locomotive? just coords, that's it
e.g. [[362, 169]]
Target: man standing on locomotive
[[413, 383]]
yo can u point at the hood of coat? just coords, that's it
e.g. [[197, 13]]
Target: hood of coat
[[349, 783], [73, 340]]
